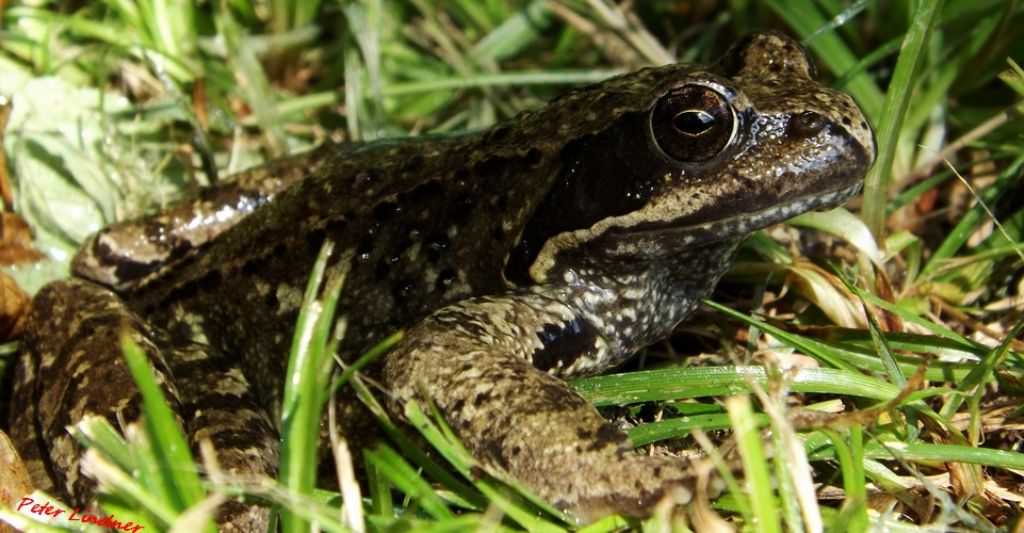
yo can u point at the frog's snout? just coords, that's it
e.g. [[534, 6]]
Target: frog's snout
[[851, 120], [840, 124], [860, 143], [855, 138], [858, 151]]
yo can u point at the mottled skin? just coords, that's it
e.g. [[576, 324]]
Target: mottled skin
[[553, 245]]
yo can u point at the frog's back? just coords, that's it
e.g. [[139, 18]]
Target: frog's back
[[415, 225]]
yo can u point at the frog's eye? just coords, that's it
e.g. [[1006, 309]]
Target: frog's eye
[[693, 123]]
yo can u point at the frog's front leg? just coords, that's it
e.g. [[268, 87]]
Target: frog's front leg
[[477, 361], [72, 367]]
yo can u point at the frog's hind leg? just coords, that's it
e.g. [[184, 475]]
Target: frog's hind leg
[[72, 366], [473, 361], [220, 408]]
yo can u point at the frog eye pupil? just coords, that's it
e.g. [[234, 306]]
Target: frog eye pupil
[[693, 122]]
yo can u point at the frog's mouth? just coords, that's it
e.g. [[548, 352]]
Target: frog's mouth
[[746, 223], [665, 238]]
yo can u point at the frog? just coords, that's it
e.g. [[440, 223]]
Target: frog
[[551, 246]]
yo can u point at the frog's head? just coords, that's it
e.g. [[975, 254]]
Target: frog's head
[[668, 159]]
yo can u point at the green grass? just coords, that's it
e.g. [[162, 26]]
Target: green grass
[[907, 302]]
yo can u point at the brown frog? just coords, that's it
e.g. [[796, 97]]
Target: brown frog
[[553, 245]]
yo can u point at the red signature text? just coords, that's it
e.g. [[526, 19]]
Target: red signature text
[[48, 509]]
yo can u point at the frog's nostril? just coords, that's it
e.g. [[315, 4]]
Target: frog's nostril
[[807, 124]]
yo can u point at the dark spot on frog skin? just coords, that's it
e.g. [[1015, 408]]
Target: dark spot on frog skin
[[270, 299], [315, 240], [254, 265], [405, 240], [414, 164], [187, 261], [337, 226], [216, 400], [210, 281], [445, 279], [490, 167], [498, 134], [564, 343], [437, 245], [186, 290], [289, 316], [482, 398], [403, 290], [425, 190], [462, 209], [238, 440], [365, 245], [367, 176], [203, 366], [136, 270], [476, 472], [533, 156], [494, 450], [607, 435], [87, 328], [383, 211], [383, 266]]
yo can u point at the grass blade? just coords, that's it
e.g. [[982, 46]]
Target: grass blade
[[876, 183]]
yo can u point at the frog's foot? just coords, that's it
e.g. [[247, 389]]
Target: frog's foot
[[72, 367], [523, 423]]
